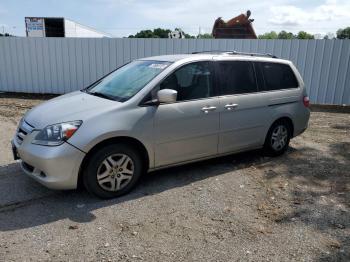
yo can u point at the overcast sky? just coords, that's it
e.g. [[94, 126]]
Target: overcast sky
[[124, 17]]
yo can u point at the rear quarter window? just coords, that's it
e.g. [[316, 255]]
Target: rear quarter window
[[275, 76]]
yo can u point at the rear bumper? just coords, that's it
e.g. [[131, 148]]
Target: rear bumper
[[55, 167], [299, 132], [301, 122]]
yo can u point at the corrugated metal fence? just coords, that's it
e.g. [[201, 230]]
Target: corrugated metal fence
[[61, 65]]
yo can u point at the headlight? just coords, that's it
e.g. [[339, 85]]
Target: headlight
[[56, 134]]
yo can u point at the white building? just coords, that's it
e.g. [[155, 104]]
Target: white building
[[177, 33], [58, 27]]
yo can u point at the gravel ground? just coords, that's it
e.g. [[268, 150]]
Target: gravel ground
[[244, 207]]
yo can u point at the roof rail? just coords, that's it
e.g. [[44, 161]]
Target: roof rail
[[252, 54], [211, 51], [236, 53]]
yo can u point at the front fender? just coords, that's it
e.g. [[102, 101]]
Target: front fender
[[135, 123]]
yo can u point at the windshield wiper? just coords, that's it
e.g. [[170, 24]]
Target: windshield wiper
[[86, 89], [99, 94]]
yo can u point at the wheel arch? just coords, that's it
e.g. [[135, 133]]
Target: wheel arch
[[135, 143], [288, 119]]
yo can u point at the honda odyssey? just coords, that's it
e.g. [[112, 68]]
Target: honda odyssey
[[159, 112]]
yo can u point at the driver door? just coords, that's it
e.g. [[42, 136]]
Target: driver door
[[188, 128]]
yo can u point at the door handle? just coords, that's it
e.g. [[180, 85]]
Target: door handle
[[206, 109], [231, 106]]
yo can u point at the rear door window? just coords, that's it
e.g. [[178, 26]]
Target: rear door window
[[275, 76], [236, 77]]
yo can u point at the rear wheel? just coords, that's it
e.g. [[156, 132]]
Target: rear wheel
[[278, 137], [113, 171]]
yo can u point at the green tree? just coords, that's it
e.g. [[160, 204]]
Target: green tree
[[343, 33], [304, 35], [161, 33], [205, 36], [285, 35], [270, 35], [189, 36], [144, 34], [6, 34], [156, 33]]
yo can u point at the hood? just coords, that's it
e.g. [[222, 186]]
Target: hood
[[73, 106]]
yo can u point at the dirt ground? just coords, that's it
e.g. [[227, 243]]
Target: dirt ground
[[244, 207]]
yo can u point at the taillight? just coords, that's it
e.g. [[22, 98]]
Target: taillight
[[306, 101]]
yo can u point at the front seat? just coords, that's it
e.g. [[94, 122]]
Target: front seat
[[170, 83], [200, 89]]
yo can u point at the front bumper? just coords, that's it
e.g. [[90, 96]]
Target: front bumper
[[55, 167]]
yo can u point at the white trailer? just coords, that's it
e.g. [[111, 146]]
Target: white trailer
[[59, 27]]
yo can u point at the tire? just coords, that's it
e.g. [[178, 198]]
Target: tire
[[113, 171], [278, 137]]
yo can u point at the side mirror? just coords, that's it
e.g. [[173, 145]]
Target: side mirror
[[167, 96]]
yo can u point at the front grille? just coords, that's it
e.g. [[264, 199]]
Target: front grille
[[23, 130]]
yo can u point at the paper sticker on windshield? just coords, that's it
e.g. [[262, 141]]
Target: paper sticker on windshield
[[158, 66]]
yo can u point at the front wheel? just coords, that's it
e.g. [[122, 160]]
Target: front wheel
[[278, 137], [112, 171]]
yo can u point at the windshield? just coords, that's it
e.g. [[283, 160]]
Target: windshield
[[126, 81]]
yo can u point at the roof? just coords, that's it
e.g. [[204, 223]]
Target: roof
[[218, 54], [168, 58]]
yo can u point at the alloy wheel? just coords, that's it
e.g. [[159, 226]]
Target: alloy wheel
[[115, 172], [279, 137]]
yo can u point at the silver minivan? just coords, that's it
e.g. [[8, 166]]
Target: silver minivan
[[159, 112]]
